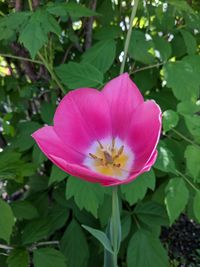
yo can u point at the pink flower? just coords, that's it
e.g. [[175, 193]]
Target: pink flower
[[108, 137]]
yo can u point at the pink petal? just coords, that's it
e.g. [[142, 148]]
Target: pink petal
[[123, 97], [144, 133], [51, 144], [65, 157], [82, 172], [82, 117]]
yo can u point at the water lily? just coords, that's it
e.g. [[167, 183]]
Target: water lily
[[107, 136]]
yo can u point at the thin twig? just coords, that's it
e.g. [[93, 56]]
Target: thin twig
[[185, 138], [147, 67], [127, 41], [188, 181], [5, 247], [89, 25], [22, 58]]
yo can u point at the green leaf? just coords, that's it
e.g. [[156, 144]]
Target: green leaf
[[12, 23], [193, 125], [188, 107], [76, 75], [35, 34], [144, 250], [165, 160], [163, 46], [38, 156], [108, 32], [72, 9], [192, 155], [181, 5], [74, 241], [47, 112], [23, 140], [48, 257], [190, 42], [101, 55], [139, 47], [79, 189], [101, 236], [57, 175], [196, 205], [188, 86], [151, 213], [170, 120], [18, 258], [24, 210], [176, 198], [7, 221], [58, 216], [137, 189], [35, 230], [12, 167]]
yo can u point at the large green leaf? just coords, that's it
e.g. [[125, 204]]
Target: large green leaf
[[139, 48], [57, 175], [35, 34], [18, 258], [151, 213], [192, 155], [24, 210], [196, 205], [170, 120], [48, 257], [137, 189], [101, 236], [73, 9], [74, 241], [176, 198], [190, 42], [7, 221], [188, 69], [86, 195], [36, 230], [76, 75], [145, 250], [165, 161], [101, 55]]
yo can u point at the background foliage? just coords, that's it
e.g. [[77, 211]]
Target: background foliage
[[48, 48]]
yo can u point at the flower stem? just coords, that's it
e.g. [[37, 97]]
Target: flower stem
[[115, 226], [128, 36], [50, 70]]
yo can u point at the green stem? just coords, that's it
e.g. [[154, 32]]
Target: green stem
[[187, 180], [147, 67], [30, 5], [2, 14], [53, 75], [21, 58], [185, 138], [115, 226], [128, 37]]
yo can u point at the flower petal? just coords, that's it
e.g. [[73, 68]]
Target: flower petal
[[50, 143], [82, 117], [82, 172], [144, 133], [123, 97]]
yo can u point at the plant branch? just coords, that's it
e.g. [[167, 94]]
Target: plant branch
[[5, 247], [185, 138], [147, 67], [53, 75], [188, 181], [22, 58], [127, 41], [89, 24]]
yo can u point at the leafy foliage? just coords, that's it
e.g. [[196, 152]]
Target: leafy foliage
[[46, 50]]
